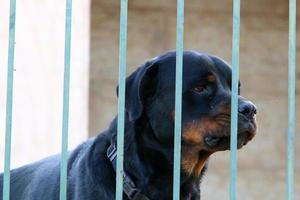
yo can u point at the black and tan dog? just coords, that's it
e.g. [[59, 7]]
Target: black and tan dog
[[149, 132]]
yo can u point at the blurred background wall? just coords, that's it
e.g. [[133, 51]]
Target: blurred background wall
[[38, 78], [151, 31]]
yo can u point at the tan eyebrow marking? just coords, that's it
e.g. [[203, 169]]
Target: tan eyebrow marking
[[211, 78]]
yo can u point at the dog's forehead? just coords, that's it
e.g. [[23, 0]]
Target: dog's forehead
[[195, 64]]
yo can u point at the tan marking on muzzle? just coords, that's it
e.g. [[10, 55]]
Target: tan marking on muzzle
[[194, 131]]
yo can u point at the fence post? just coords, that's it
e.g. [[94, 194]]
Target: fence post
[[66, 92], [178, 99], [291, 99], [121, 99], [9, 99], [234, 98]]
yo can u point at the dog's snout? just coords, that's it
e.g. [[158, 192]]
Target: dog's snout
[[247, 108]]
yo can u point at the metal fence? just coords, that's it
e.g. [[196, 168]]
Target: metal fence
[[178, 92]]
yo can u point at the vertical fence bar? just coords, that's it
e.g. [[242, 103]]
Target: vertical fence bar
[[66, 92], [9, 99], [291, 99], [234, 98], [121, 99], [178, 99]]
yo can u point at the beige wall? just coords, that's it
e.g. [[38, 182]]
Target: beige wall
[[208, 26], [38, 83]]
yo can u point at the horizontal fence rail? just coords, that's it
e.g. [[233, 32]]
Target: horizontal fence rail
[[291, 99], [9, 99], [66, 99], [234, 98]]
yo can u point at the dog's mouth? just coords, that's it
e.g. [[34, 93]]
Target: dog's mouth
[[220, 141]]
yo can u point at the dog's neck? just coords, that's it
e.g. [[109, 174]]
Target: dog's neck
[[150, 165]]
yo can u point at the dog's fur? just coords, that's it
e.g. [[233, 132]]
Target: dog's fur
[[149, 132]]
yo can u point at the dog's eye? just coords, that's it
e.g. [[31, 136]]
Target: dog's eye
[[199, 89]]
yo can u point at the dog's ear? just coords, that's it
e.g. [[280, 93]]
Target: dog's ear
[[140, 85]]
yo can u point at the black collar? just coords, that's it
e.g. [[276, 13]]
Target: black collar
[[129, 187]]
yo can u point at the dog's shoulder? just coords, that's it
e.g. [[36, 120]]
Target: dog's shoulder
[[90, 174], [42, 178]]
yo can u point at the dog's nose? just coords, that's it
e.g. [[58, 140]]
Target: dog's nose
[[247, 108]]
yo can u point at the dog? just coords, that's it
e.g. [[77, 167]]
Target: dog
[[149, 133]]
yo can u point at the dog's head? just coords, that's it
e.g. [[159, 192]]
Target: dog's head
[[206, 110]]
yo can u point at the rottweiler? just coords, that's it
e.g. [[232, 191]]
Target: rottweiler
[[149, 133]]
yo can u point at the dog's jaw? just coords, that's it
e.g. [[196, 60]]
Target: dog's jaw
[[193, 160]]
